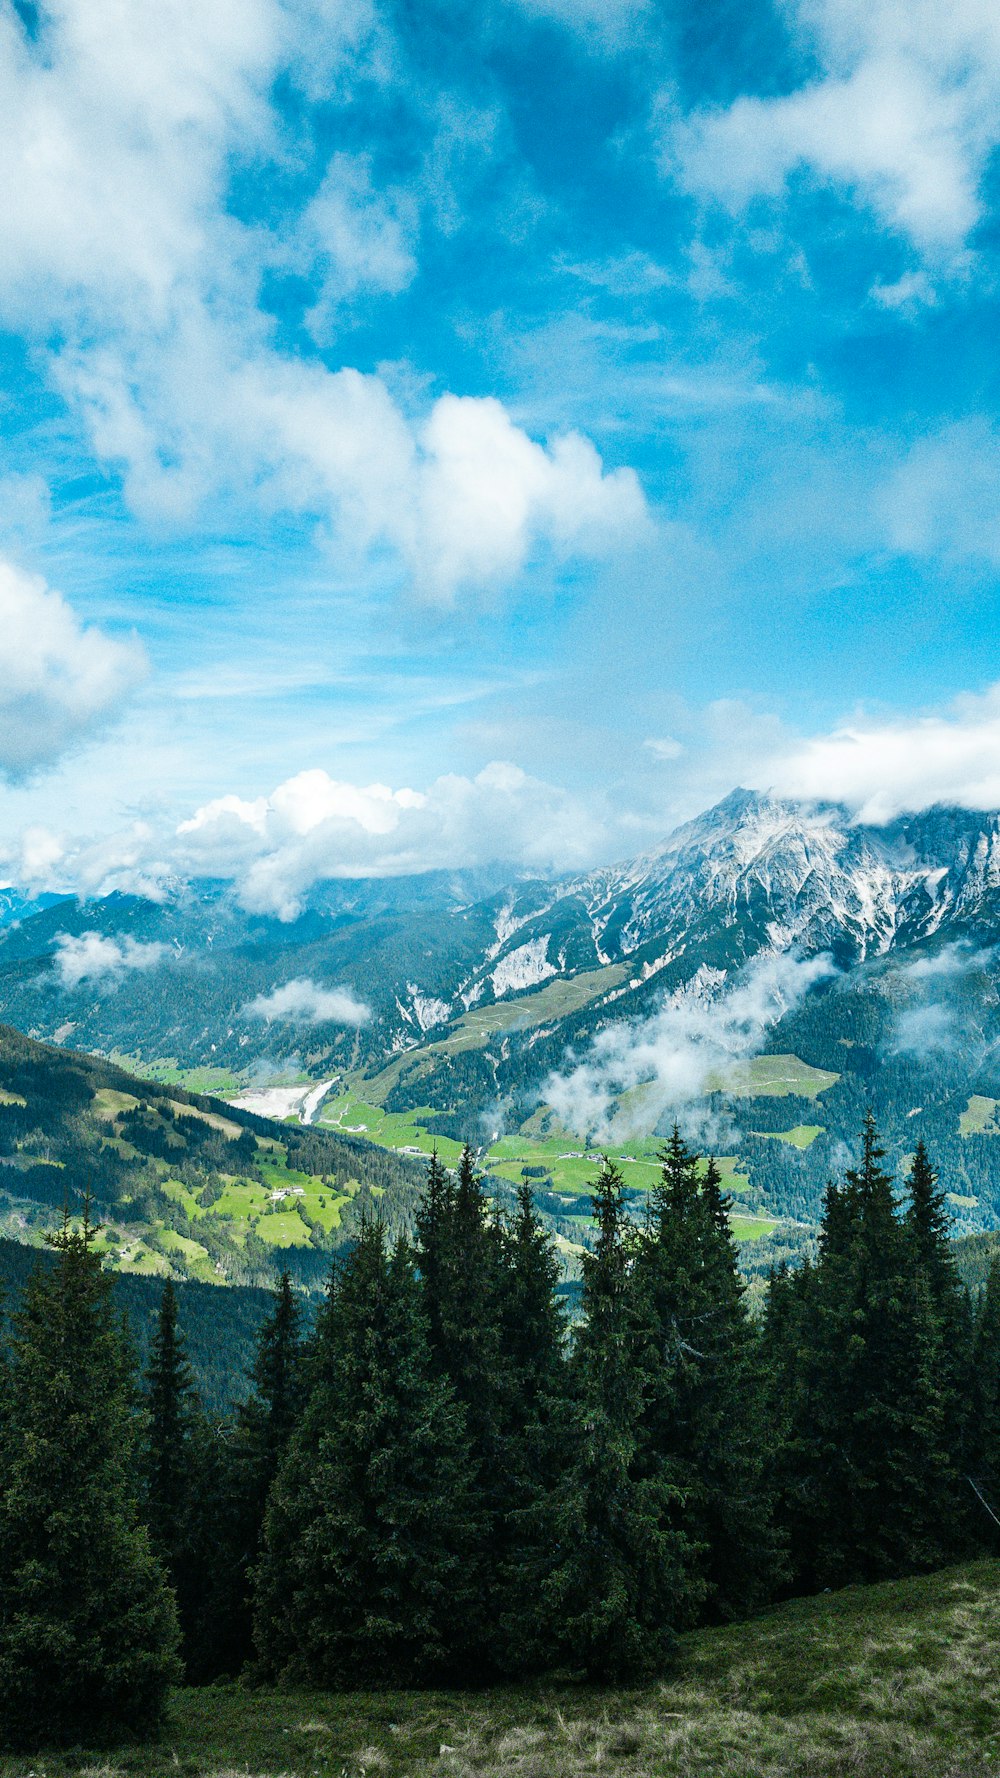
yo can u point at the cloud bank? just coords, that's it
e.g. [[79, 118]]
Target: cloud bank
[[880, 770], [314, 827], [304, 1002], [675, 1056]]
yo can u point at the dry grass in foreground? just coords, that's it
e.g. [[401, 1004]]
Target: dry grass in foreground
[[895, 1681]]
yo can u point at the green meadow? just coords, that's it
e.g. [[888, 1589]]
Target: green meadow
[[899, 1680]]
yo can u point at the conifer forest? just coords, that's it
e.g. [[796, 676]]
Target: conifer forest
[[444, 1482]]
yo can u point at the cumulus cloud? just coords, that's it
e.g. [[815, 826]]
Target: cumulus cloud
[[315, 827], [119, 133], [304, 1002], [904, 111], [60, 680], [89, 957], [678, 1054]]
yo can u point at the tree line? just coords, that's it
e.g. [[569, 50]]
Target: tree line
[[445, 1482]]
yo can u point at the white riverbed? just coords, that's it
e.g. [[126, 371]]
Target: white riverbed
[[302, 1101]]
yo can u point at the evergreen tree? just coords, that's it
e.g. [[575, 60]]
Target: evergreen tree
[[617, 1582], [866, 1464], [984, 1416], [249, 1459], [703, 1411], [533, 1341], [460, 1256], [88, 1631], [365, 1575], [169, 1400], [928, 1225]]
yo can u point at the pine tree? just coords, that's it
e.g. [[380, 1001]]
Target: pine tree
[[169, 1401], [533, 1355], [248, 1460], [866, 1463], [928, 1225], [984, 1416], [703, 1414], [617, 1583], [88, 1631], [365, 1575], [461, 1258]]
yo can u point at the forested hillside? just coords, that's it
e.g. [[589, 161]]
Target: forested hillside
[[181, 1184]]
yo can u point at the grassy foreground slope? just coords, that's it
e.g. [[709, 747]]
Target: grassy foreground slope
[[894, 1681]]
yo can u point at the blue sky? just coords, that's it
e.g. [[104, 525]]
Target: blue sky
[[551, 411]]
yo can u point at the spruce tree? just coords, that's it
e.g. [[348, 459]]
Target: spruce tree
[[365, 1575], [928, 1224], [169, 1401], [249, 1459], [704, 1406], [533, 1356], [617, 1582], [984, 1416], [867, 1464], [460, 1257], [88, 1631]]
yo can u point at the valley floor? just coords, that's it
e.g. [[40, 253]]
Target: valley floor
[[894, 1681]]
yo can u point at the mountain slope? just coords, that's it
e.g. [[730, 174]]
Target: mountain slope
[[182, 1184], [483, 999]]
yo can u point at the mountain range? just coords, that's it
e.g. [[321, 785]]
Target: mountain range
[[601, 1003]]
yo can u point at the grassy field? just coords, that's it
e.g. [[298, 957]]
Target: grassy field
[[390, 1129], [773, 1077], [979, 1117], [475, 1028], [799, 1137], [894, 1681]]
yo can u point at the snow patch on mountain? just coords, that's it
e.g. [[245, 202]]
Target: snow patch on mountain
[[427, 1009], [524, 967]]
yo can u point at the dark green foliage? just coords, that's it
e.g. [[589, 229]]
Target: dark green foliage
[[461, 1259], [703, 1413], [365, 1575], [617, 1586], [984, 1410], [88, 1631], [869, 1481], [168, 1419], [249, 1455], [184, 1495]]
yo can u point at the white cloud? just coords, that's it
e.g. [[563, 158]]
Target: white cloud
[[91, 958], [315, 827], [675, 1056], [907, 294], [904, 112], [119, 133], [880, 770], [304, 1002], [59, 680]]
